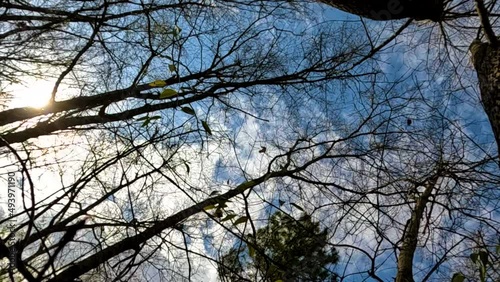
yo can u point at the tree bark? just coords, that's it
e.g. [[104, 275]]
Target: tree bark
[[411, 234], [384, 10], [486, 60]]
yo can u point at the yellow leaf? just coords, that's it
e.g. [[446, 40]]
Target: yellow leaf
[[209, 207], [167, 93], [158, 83]]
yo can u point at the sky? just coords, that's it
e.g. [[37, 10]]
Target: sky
[[234, 155]]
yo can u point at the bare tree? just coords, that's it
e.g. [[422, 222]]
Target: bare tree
[[181, 124]]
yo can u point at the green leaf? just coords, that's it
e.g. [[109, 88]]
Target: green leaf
[[483, 256], [279, 280], [214, 193], [251, 251], [176, 31], [188, 111], [498, 249], [297, 206], [158, 83], [172, 68], [218, 212], [146, 122], [167, 93], [155, 117], [242, 219], [142, 118], [209, 207], [222, 201], [206, 127], [458, 277], [229, 217], [474, 257]]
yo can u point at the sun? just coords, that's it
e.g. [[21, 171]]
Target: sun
[[33, 93]]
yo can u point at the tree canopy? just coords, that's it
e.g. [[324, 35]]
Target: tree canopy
[[140, 140], [285, 249]]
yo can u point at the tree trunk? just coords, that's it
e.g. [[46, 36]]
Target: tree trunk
[[411, 234], [384, 10], [486, 60]]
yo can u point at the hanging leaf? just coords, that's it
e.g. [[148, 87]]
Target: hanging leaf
[[146, 122], [167, 93], [142, 118], [483, 256], [158, 83], [297, 206], [187, 167], [281, 202], [218, 212], [251, 251], [209, 207], [176, 31], [214, 193], [206, 127], [229, 217], [222, 201], [242, 219], [155, 117], [458, 277], [474, 257], [172, 68], [188, 111]]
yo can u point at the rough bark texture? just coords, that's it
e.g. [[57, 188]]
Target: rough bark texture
[[411, 234], [391, 9], [486, 60]]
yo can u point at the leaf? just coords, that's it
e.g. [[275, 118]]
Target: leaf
[[142, 118], [297, 206], [483, 256], [172, 68], [188, 111], [155, 117], [279, 280], [158, 83], [228, 217], [458, 277], [146, 122], [262, 149], [498, 249], [218, 212], [251, 251], [242, 219], [187, 167], [209, 207], [474, 257], [281, 202], [222, 201], [206, 127], [176, 31], [214, 193], [167, 93]]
